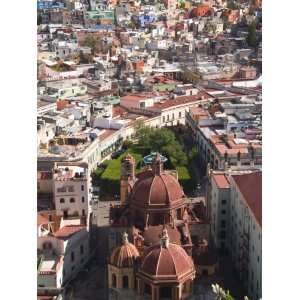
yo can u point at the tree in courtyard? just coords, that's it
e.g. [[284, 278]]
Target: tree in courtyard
[[162, 140], [251, 38], [92, 42]]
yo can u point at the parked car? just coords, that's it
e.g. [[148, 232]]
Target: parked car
[[117, 153]]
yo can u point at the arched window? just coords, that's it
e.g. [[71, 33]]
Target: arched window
[[147, 289], [61, 200], [47, 245], [72, 200], [125, 282], [114, 280], [165, 293]]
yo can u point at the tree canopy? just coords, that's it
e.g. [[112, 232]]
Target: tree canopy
[[92, 42], [162, 140], [251, 38]]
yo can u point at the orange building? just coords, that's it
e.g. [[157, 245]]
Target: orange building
[[61, 104], [201, 11], [138, 65], [231, 16]]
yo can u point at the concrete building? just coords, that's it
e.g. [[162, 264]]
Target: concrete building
[[222, 139], [71, 191], [235, 205], [63, 249], [66, 89]]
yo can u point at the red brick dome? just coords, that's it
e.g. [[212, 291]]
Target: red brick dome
[[125, 255], [167, 261], [157, 190]]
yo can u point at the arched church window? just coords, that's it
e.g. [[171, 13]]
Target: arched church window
[[114, 280], [125, 282]]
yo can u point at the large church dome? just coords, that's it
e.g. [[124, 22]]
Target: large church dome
[[157, 189]]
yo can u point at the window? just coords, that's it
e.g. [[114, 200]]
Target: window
[[168, 117], [204, 272], [164, 119], [147, 289], [173, 116], [223, 202], [81, 249], [223, 211], [114, 280], [257, 258], [71, 188], [72, 200], [82, 199], [223, 234], [83, 212], [223, 224], [73, 268], [47, 245], [50, 218], [179, 114], [82, 187], [61, 200], [61, 190], [125, 282], [72, 256]]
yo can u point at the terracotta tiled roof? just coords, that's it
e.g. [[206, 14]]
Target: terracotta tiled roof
[[179, 101], [68, 231], [158, 190], [250, 186], [124, 256], [107, 133], [221, 181], [118, 111], [41, 219], [137, 97], [167, 263], [152, 235]]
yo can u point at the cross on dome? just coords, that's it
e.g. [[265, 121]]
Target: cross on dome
[[165, 238]]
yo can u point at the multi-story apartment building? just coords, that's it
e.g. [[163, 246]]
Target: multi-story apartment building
[[62, 248], [71, 191], [235, 208]]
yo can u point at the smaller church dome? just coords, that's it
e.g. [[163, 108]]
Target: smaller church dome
[[125, 255], [167, 261]]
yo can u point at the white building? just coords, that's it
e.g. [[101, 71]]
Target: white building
[[71, 190], [62, 251], [235, 206]]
